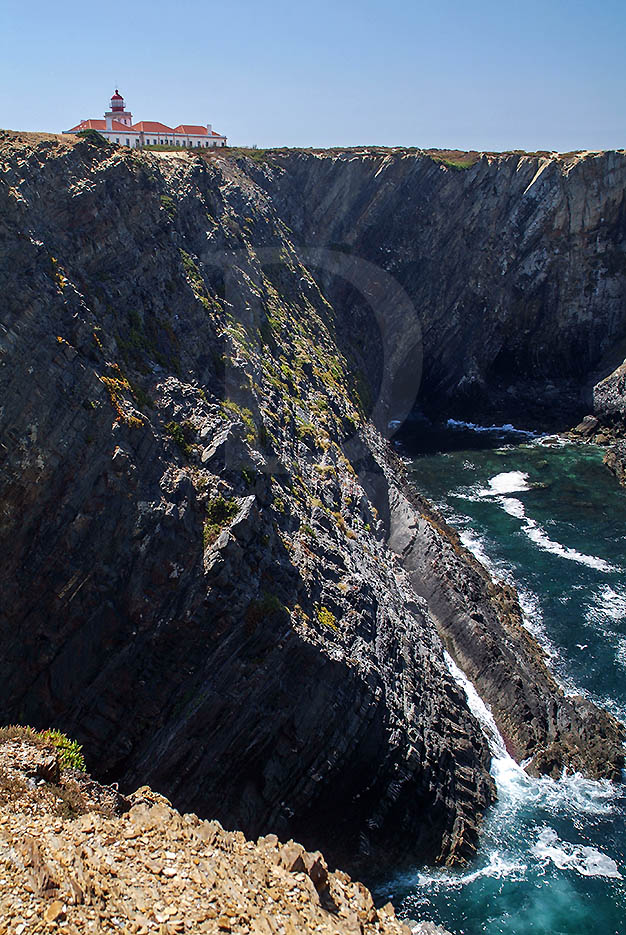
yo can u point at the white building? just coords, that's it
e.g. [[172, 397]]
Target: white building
[[118, 127]]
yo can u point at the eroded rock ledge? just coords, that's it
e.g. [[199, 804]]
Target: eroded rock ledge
[[96, 862]]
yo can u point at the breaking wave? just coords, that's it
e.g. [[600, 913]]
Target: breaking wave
[[517, 481], [588, 861], [506, 429]]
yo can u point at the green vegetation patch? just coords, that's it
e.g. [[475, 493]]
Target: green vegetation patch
[[192, 272], [268, 607], [169, 206], [92, 136], [70, 751], [182, 434], [327, 618], [454, 159], [219, 512]]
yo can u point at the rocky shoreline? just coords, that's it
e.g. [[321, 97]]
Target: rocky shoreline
[[214, 573]]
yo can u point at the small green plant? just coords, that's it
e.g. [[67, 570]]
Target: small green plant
[[249, 477], [181, 434], [70, 751], [307, 433], [192, 272], [230, 407], [267, 607], [218, 513], [327, 618], [168, 206]]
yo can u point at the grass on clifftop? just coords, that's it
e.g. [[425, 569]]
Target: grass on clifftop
[[70, 751]]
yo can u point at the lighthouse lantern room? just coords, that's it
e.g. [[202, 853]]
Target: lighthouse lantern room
[[118, 112]]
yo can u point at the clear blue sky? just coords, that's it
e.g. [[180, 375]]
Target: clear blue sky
[[470, 74]]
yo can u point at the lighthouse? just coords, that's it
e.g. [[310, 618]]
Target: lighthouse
[[118, 112], [118, 127]]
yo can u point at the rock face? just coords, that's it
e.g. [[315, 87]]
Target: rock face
[[481, 625], [196, 512], [147, 868], [516, 266]]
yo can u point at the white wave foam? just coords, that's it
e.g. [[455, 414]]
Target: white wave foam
[[513, 507], [610, 603], [507, 482], [517, 481], [482, 713], [587, 861], [572, 794], [539, 536], [474, 544], [497, 867], [474, 427], [532, 616], [537, 533]]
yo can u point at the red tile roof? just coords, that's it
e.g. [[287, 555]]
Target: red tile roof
[[146, 126], [152, 126], [120, 127], [89, 125], [100, 125], [117, 96], [191, 129]]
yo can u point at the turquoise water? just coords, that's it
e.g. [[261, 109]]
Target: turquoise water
[[551, 519]]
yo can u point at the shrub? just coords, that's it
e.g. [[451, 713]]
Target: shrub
[[168, 206], [70, 751], [92, 136], [327, 618], [267, 607], [182, 435], [219, 511]]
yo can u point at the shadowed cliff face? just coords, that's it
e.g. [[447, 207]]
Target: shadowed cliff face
[[516, 266], [195, 508]]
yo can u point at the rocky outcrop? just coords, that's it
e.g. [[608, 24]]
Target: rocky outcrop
[[195, 507], [148, 868], [606, 425]]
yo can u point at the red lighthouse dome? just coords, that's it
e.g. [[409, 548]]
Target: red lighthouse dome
[[117, 101]]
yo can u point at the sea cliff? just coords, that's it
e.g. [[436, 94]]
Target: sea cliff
[[215, 574]]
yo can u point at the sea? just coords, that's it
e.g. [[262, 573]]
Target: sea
[[547, 516]]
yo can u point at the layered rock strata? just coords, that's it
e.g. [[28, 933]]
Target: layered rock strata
[[195, 508]]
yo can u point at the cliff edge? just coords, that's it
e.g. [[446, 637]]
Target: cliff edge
[[77, 857]]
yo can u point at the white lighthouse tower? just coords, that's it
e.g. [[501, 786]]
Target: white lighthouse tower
[[118, 112]]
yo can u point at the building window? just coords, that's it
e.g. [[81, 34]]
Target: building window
[[117, 139], [128, 142]]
